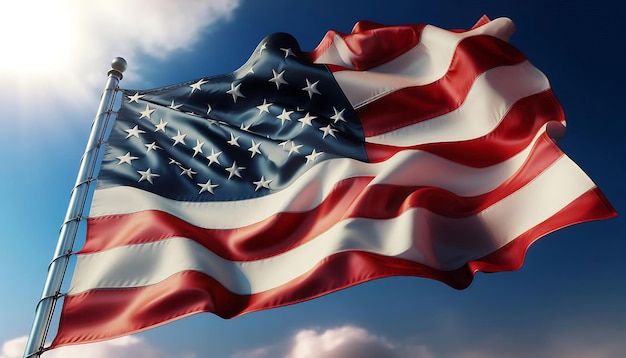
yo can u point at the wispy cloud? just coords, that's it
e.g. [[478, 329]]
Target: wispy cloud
[[347, 341], [341, 342], [125, 347], [55, 53], [13, 348], [355, 342]]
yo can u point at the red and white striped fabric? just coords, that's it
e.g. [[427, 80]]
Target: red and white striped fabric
[[462, 176]]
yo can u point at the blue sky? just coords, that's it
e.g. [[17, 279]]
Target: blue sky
[[566, 301]]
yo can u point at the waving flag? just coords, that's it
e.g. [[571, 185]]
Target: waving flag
[[401, 150]]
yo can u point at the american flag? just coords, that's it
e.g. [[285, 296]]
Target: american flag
[[393, 150]]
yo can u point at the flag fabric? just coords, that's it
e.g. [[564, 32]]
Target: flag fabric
[[393, 150]]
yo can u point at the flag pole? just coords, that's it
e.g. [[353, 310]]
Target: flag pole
[[56, 269]]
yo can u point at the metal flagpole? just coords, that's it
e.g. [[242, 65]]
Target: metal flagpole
[[67, 234]]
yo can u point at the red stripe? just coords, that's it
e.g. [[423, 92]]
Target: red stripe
[[264, 239], [351, 198], [484, 20], [372, 44], [104, 314], [473, 56], [513, 134]]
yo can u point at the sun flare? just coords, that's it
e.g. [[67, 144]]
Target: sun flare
[[36, 37]]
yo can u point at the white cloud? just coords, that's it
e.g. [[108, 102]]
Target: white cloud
[[13, 348], [347, 341], [56, 53], [342, 342], [355, 342], [576, 345], [124, 347]]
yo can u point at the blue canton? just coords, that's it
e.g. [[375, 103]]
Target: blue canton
[[235, 136]]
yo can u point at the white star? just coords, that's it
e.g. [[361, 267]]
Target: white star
[[263, 47], [278, 79], [197, 85], [250, 70], [284, 116], [213, 158], [235, 92], [147, 112], [313, 156], [338, 116], [254, 149], [306, 120], [294, 148], [126, 158], [179, 138], [134, 132], [174, 161], [175, 106], [287, 52], [188, 172], [244, 127], [265, 107], [283, 144], [198, 148], [161, 126], [152, 146], [208, 187], [135, 98], [262, 183], [328, 130], [147, 175], [209, 109], [311, 88], [234, 170], [233, 140]]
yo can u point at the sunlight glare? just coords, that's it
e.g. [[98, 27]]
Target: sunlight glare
[[36, 37]]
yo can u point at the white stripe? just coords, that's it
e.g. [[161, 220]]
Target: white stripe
[[409, 167], [417, 235], [488, 101], [434, 50]]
